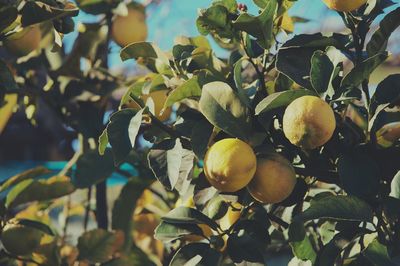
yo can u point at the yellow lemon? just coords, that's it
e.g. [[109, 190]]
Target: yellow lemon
[[274, 179], [309, 122], [25, 41], [131, 28], [344, 5], [229, 164], [159, 97]]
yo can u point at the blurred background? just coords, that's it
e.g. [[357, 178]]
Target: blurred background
[[49, 140]]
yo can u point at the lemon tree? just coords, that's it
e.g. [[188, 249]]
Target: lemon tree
[[282, 145]]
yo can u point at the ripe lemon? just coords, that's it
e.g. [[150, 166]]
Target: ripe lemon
[[229, 165], [309, 122], [274, 179], [20, 240], [159, 97], [130, 28], [25, 41], [344, 5]]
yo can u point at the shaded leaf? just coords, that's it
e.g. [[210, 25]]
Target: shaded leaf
[[185, 215], [93, 168], [98, 245], [280, 99], [223, 108], [39, 190], [196, 254]]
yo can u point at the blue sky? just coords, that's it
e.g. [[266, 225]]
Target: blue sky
[[178, 17]]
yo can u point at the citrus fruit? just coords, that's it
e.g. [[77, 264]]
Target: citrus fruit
[[20, 240], [229, 164], [309, 122], [344, 5], [274, 179], [25, 41], [130, 28], [158, 97]]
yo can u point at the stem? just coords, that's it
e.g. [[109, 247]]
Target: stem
[[101, 188], [101, 205], [359, 42], [87, 210]]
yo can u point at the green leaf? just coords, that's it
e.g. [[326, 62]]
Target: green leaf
[[261, 26], [338, 208], [395, 186], [359, 174], [28, 174], [378, 254], [223, 108], [172, 164], [363, 70], [248, 241], [39, 190], [387, 26], [97, 7], [185, 215], [7, 82], [201, 133], [103, 142], [280, 99], [231, 5], [322, 70], [200, 254], [168, 232], [37, 225], [141, 49], [157, 60], [237, 76], [124, 206], [93, 168], [122, 131], [36, 11], [135, 257], [387, 92], [189, 89], [294, 57], [215, 20], [99, 245], [301, 246], [8, 15]]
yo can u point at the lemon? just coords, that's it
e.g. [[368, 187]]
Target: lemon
[[158, 97], [229, 165], [344, 5], [25, 41], [131, 28], [20, 240], [309, 122], [274, 179]]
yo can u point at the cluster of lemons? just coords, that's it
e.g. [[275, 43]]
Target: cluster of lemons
[[231, 164]]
